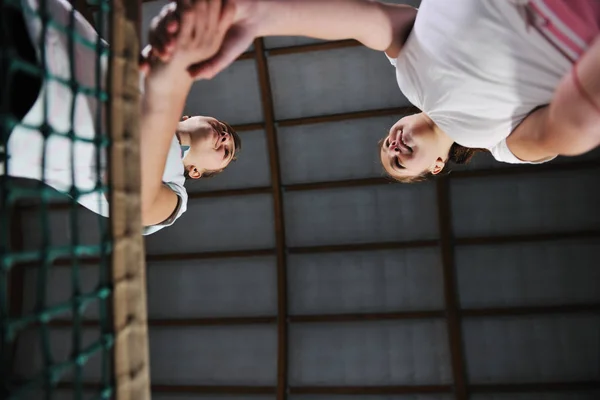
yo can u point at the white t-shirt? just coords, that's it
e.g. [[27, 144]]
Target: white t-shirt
[[26, 142], [477, 69]]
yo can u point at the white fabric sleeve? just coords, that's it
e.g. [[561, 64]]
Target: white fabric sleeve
[[142, 83], [393, 61], [181, 208], [502, 153]]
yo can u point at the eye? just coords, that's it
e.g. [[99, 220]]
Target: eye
[[397, 163], [387, 142]]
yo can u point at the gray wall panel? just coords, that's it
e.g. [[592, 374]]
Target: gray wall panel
[[362, 397], [232, 355], [563, 272], [532, 349], [382, 281], [532, 203], [218, 224], [232, 96], [380, 353], [356, 215], [212, 288], [343, 80]]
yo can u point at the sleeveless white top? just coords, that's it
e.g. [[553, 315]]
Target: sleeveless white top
[[477, 69]]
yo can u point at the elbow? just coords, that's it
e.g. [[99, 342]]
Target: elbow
[[145, 218], [148, 216]]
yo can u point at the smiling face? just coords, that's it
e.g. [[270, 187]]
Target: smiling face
[[213, 145], [414, 147]]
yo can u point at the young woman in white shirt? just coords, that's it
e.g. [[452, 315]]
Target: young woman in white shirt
[[518, 78], [170, 150]]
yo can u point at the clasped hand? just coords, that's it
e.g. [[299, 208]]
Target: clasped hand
[[185, 35], [204, 35]]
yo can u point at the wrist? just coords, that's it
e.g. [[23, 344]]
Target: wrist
[[255, 16], [168, 79], [166, 87]]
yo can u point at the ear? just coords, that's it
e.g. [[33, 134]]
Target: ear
[[438, 166], [185, 117], [193, 172]]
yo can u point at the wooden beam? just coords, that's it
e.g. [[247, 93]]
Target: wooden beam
[[349, 116], [582, 308], [363, 247], [450, 289], [353, 247], [536, 387], [320, 46], [365, 317], [369, 390], [230, 193], [375, 181], [349, 183], [155, 258], [529, 387], [257, 126], [527, 238], [471, 313], [270, 129], [214, 390]]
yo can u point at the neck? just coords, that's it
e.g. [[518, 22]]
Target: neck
[[448, 141]]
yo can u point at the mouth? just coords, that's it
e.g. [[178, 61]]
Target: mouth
[[403, 144]]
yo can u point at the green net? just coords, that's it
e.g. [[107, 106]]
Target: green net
[[47, 344]]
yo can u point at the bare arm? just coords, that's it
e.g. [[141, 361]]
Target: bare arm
[[379, 26], [570, 125], [376, 25], [203, 27], [161, 107]]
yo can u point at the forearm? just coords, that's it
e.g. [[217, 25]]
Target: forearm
[[371, 23], [162, 106], [575, 107], [570, 125]]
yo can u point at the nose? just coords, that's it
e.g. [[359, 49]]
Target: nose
[[225, 137], [394, 147]]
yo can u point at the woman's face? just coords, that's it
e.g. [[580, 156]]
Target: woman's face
[[212, 146], [414, 146]]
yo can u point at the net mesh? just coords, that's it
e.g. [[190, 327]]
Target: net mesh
[[31, 366]]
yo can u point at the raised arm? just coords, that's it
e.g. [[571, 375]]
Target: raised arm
[[570, 125], [203, 27], [379, 26]]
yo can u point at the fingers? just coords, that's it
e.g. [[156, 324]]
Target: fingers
[[172, 26], [227, 18], [163, 28], [190, 23], [144, 60], [213, 15], [144, 65]]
